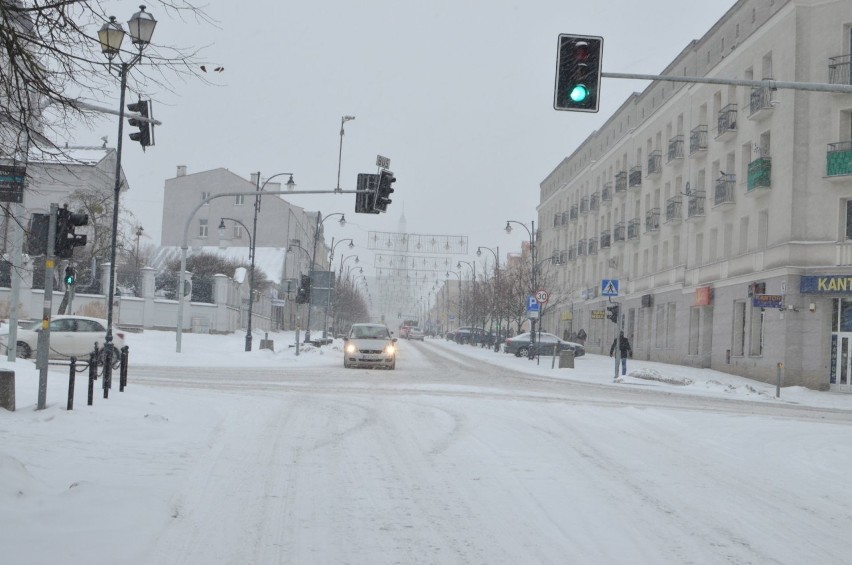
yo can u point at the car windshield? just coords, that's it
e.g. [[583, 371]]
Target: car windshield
[[369, 332]]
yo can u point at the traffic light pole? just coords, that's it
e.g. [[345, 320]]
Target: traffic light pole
[[43, 346], [768, 83]]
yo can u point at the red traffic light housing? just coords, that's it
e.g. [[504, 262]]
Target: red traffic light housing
[[386, 180], [578, 73], [613, 313], [145, 135], [365, 198], [66, 240]]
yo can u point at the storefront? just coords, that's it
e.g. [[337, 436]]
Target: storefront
[[837, 290]]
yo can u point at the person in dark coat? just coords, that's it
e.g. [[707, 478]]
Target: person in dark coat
[[626, 351]]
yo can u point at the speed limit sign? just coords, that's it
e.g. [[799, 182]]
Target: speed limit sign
[[541, 296]]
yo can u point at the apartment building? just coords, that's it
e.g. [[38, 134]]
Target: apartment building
[[724, 212]]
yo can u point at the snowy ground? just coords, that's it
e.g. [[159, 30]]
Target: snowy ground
[[461, 455]]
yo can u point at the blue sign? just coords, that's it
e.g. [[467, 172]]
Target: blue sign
[[609, 287], [826, 284], [767, 301], [532, 304]]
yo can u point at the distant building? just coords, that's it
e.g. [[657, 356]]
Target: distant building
[[725, 212]]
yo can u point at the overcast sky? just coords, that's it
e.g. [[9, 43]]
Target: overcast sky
[[458, 94]]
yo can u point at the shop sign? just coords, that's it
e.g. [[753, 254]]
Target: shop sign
[[703, 296], [824, 284], [767, 301]]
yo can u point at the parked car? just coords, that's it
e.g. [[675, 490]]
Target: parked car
[[545, 344], [468, 334], [416, 334], [369, 345], [70, 336]]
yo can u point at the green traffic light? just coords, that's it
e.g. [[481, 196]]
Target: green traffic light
[[69, 280], [579, 93]]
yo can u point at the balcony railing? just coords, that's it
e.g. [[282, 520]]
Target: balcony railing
[[839, 159], [695, 204], [633, 227], [620, 182], [760, 102], [724, 189], [655, 162], [594, 202], [652, 220], [839, 69], [605, 240], [698, 140], [593, 247], [606, 192], [619, 232], [573, 213], [584, 205], [581, 247], [635, 177], [760, 173], [675, 148], [727, 121], [673, 209]]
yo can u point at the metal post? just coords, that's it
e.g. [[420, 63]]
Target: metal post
[[310, 273], [17, 264], [778, 380], [44, 335], [252, 244], [71, 377]]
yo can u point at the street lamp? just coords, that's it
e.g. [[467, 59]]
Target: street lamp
[[343, 120], [319, 224], [343, 261], [110, 36], [139, 230], [331, 269], [495, 300], [530, 232], [251, 276], [448, 292], [472, 266]]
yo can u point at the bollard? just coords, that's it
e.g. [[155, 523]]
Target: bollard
[[72, 376], [778, 381], [122, 371], [107, 382], [7, 390], [93, 374]]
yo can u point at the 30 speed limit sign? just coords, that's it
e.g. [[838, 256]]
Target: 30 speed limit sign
[[541, 296]]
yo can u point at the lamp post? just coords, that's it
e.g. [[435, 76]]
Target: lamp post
[[531, 233], [331, 269], [320, 221], [495, 295], [110, 36], [139, 230], [343, 120], [448, 292], [343, 261], [472, 266], [251, 276]]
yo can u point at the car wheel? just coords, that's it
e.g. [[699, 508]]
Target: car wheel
[[523, 351], [23, 350]]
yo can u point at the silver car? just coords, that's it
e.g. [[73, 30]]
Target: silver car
[[369, 345], [70, 336]]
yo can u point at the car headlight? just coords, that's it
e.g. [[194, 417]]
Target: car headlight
[[350, 348], [390, 349]]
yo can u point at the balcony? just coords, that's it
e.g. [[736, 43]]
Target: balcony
[[838, 69], [584, 205], [727, 123], [606, 192], [557, 220], [655, 163], [573, 213], [652, 220], [839, 159], [581, 248], [673, 209], [759, 174], [724, 190], [760, 105], [572, 254], [698, 141], [695, 204], [621, 182], [562, 258], [619, 232], [675, 148], [595, 202], [605, 240], [593, 247], [633, 227], [635, 176]]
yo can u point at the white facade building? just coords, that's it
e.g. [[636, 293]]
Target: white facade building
[[724, 212]]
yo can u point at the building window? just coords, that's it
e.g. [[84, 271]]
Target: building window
[[238, 232], [240, 199], [694, 320], [849, 219], [670, 325], [738, 334], [756, 338], [661, 326], [205, 196], [202, 228]]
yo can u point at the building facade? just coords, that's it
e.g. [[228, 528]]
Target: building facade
[[723, 212]]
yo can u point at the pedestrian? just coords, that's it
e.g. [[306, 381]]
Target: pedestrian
[[581, 336], [626, 351]]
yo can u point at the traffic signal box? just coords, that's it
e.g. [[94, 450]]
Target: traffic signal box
[[303, 294], [145, 134], [578, 73], [66, 240], [613, 313], [365, 202], [70, 276], [386, 180]]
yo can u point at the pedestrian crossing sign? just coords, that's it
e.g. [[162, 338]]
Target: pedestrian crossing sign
[[609, 287]]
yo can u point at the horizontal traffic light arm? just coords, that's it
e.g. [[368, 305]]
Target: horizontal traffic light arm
[[772, 84], [133, 115]]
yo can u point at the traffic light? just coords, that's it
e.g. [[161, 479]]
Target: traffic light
[[66, 240], [303, 295], [386, 180], [613, 313], [365, 201], [37, 234], [70, 276], [578, 73], [144, 135]]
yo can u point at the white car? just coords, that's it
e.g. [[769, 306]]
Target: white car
[[369, 345], [70, 336]]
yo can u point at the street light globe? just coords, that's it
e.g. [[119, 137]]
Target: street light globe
[[508, 228], [479, 252], [351, 244], [342, 220], [291, 185], [110, 37], [141, 26]]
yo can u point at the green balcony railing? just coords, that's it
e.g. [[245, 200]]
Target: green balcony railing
[[759, 173], [839, 159]]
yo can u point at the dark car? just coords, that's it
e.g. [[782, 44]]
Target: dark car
[[469, 334], [545, 344]]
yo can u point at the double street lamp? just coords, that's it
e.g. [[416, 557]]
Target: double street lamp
[[111, 35], [531, 233]]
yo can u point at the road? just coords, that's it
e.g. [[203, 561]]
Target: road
[[450, 460]]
